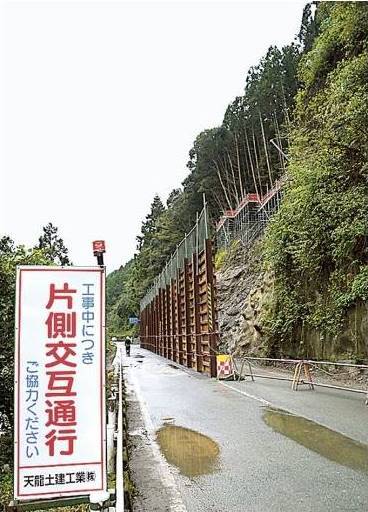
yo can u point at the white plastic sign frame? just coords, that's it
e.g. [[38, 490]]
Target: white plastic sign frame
[[59, 424]]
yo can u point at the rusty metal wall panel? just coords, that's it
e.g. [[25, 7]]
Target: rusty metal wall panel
[[179, 358], [168, 322], [186, 358], [177, 319], [180, 323], [203, 312], [155, 342], [174, 341], [164, 324], [191, 333], [195, 338], [161, 338], [212, 306]]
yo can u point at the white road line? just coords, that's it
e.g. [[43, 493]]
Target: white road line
[[284, 409], [167, 478], [248, 395]]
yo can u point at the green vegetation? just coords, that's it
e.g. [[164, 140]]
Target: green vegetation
[[220, 258], [51, 250], [317, 244], [310, 98], [6, 487], [53, 246], [225, 163]]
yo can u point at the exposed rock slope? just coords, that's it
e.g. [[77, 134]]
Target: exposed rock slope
[[240, 300], [245, 294]]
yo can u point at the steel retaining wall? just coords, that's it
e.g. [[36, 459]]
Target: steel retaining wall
[[180, 321]]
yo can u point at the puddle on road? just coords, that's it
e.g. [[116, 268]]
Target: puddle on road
[[192, 453], [328, 443]]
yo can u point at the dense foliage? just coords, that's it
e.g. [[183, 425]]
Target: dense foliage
[[11, 256], [53, 246], [317, 245], [309, 99]]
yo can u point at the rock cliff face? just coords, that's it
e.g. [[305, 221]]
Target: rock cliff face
[[240, 301], [244, 298], [351, 342]]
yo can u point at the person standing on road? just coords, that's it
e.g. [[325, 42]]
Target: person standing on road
[[128, 342]]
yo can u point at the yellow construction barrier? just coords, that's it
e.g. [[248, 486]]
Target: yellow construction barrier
[[224, 366]]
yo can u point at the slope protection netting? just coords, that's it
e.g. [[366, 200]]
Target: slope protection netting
[[191, 244]]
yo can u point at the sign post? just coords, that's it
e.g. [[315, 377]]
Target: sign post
[[133, 320], [99, 249], [59, 448]]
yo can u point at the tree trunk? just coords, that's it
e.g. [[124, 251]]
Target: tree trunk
[[242, 191], [266, 151], [233, 175], [222, 184], [251, 162], [257, 163]]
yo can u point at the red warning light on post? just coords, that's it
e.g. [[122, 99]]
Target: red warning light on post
[[99, 246]]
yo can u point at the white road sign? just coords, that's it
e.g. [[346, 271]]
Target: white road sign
[[59, 382]]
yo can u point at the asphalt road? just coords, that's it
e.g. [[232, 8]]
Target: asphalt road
[[281, 464]]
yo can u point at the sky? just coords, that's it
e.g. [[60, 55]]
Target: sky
[[100, 102]]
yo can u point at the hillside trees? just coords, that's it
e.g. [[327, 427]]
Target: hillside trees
[[53, 246], [317, 245], [228, 161], [161, 230], [12, 255], [309, 27], [119, 301], [150, 256], [238, 157]]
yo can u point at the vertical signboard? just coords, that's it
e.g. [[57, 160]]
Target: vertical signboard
[[59, 382]]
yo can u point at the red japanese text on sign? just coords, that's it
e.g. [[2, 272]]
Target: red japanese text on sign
[[60, 354]]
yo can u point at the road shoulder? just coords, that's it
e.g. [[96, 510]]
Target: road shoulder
[[155, 487]]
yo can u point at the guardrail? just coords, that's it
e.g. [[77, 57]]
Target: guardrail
[[119, 507], [301, 372]]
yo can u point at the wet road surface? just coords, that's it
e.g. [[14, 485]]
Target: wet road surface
[[247, 447]]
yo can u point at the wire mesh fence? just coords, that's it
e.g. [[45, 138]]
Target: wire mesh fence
[[179, 313], [192, 243]]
